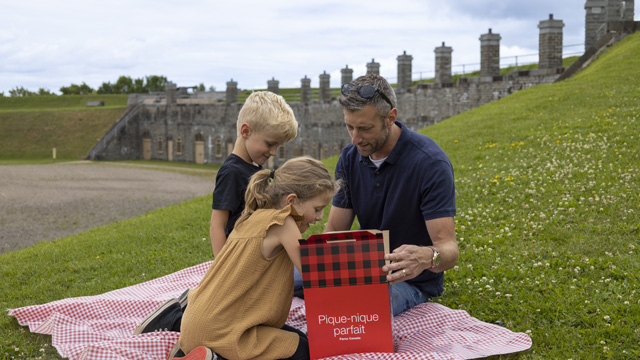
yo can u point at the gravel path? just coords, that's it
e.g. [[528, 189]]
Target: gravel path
[[47, 202]]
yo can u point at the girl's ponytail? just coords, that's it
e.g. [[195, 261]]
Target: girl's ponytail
[[256, 196]]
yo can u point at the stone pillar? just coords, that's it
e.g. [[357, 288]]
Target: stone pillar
[[489, 55], [443, 64], [232, 92], [404, 72], [628, 10], [171, 93], [325, 89], [596, 14], [614, 10], [305, 89], [550, 51], [273, 85], [373, 67], [619, 10], [347, 75]]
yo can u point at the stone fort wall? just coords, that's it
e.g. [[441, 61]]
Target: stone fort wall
[[201, 127]]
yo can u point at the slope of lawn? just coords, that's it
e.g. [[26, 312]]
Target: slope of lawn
[[31, 126], [549, 213]]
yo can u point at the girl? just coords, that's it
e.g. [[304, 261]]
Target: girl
[[239, 308]]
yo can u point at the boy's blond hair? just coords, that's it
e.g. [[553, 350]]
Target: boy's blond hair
[[264, 109]]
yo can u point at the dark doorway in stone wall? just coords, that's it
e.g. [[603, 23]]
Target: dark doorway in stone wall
[[146, 146]]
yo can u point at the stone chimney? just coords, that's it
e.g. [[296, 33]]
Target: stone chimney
[[489, 55], [404, 72], [273, 85], [373, 67], [325, 89], [305, 89], [347, 75], [596, 16], [232, 92], [171, 93], [443, 64], [550, 51]]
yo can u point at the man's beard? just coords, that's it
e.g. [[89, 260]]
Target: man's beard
[[377, 145]]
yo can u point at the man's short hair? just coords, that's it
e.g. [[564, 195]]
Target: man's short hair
[[264, 109], [354, 101]]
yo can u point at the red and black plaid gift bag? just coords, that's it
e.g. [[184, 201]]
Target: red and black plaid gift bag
[[346, 293], [333, 260]]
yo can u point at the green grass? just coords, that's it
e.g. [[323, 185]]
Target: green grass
[[547, 184], [548, 211], [31, 126], [32, 135], [61, 102]]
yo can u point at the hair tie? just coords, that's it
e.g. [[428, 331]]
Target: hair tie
[[273, 173]]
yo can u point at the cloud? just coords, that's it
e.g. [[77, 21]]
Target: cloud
[[49, 44]]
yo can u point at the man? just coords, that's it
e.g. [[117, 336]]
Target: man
[[398, 180]]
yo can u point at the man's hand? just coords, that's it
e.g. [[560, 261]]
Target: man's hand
[[407, 262]]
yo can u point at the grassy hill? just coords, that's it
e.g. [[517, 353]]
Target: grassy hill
[[31, 126], [548, 223]]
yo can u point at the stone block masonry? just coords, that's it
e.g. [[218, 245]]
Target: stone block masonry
[[178, 132], [176, 126]]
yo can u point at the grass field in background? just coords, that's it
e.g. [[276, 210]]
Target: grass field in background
[[547, 185], [59, 102], [31, 126], [32, 135]]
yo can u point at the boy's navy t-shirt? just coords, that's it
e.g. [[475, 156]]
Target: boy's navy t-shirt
[[231, 184], [415, 183]]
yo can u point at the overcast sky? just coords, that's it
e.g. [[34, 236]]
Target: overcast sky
[[49, 44]]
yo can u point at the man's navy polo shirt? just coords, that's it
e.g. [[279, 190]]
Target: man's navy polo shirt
[[415, 183]]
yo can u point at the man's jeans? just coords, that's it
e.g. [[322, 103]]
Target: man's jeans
[[297, 278], [405, 296]]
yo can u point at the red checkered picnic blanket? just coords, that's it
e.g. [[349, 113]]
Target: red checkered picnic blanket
[[101, 327]]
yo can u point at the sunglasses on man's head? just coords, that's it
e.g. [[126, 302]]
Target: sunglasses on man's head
[[365, 92]]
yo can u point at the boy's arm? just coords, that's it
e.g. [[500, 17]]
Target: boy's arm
[[219, 220]]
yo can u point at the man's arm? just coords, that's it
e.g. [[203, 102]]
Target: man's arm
[[219, 220], [340, 219], [415, 259]]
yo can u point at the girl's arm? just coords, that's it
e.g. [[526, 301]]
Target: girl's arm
[[286, 236]]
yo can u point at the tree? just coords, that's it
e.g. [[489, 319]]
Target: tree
[[85, 89], [74, 89], [124, 85], [139, 87], [105, 88], [21, 92], [156, 83], [43, 91], [201, 88]]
